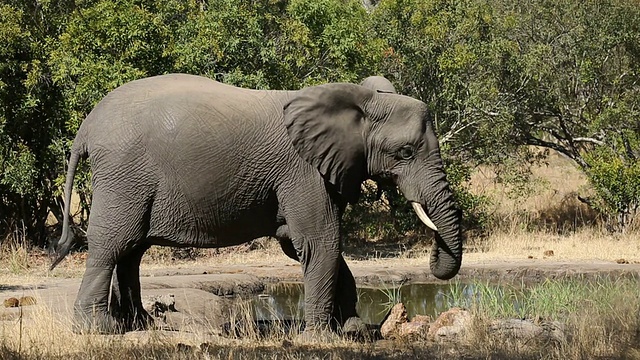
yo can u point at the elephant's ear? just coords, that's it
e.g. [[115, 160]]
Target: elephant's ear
[[326, 126]]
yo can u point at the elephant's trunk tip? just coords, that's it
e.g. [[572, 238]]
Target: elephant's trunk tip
[[443, 263]]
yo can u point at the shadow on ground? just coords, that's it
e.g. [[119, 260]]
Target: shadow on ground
[[21, 287]]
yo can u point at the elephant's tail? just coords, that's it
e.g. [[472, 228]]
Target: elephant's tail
[[62, 248]]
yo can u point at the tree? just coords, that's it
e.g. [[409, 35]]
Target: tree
[[61, 57], [501, 77], [31, 116], [573, 84]]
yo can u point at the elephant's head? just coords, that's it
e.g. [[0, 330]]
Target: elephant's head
[[352, 133], [379, 83]]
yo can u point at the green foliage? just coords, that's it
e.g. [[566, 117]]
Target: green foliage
[[501, 77], [276, 44], [614, 172], [550, 299], [61, 57], [474, 206], [496, 75], [31, 116], [383, 214]]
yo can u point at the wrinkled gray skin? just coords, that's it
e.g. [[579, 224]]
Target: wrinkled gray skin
[[181, 160], [379, 83]]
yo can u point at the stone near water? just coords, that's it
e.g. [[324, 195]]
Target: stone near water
[[390, 328], [450, 324], [27, 300], [158, 305], [529, 330], [397, 325], [414, 329]]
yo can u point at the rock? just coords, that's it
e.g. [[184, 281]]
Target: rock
[[11, 302], [414, 329], [194, 311], [27, 300], [390, 328], [555, 331], [397, 326], [23, 301], [529, 330], [354, 327], [185, 347], [237, 285], [516, 328], [157, 305], [422, 318], [548, 253], [450, 324], [622, 261]]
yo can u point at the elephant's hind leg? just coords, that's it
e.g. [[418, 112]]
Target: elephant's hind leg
[[117, 227], [126, 301], [90, 308]]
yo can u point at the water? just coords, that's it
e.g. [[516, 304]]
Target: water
[[285, 301]]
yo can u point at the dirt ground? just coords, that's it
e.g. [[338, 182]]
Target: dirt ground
[[202, 291]]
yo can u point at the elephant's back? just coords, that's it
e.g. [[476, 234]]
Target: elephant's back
[[202, 137], [163, 90], [174, 108]]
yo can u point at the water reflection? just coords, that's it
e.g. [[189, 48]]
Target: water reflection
[[285, 301]]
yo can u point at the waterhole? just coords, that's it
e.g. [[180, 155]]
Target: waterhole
[[285, 301]]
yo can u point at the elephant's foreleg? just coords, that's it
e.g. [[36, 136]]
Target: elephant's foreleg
[[320, 269], [126, 302], [346, 293]]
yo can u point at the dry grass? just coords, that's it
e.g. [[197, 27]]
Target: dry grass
[[40, 333], [552, 202], [584, 245], [260, 251], [551, 218], [590, 319], [601, 320]]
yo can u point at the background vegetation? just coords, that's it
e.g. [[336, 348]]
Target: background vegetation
[[506, 83]]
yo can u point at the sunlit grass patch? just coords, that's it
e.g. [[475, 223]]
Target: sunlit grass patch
[[599, 317]]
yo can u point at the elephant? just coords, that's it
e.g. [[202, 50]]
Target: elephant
[[380, 84], [182, 160]]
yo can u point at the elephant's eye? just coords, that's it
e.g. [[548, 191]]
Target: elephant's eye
[[406, 152]]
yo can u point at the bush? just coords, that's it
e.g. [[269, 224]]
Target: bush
[[614, 172]]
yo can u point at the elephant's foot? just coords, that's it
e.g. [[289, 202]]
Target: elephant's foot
[[97, 323], [138, 320], [132, 319], [356, 329]]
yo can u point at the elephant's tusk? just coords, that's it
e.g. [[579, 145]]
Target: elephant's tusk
[[423, 216]]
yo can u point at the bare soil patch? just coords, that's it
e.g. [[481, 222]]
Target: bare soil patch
[[202, 291]]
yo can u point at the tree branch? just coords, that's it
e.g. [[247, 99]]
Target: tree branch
[[530, 140], [589, 140]]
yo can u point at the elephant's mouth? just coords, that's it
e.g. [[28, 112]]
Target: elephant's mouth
[[417, 207]]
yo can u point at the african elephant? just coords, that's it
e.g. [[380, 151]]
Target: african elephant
[[182, 160], [379, 83]]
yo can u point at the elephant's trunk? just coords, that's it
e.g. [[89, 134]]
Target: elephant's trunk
[[446, 253]]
